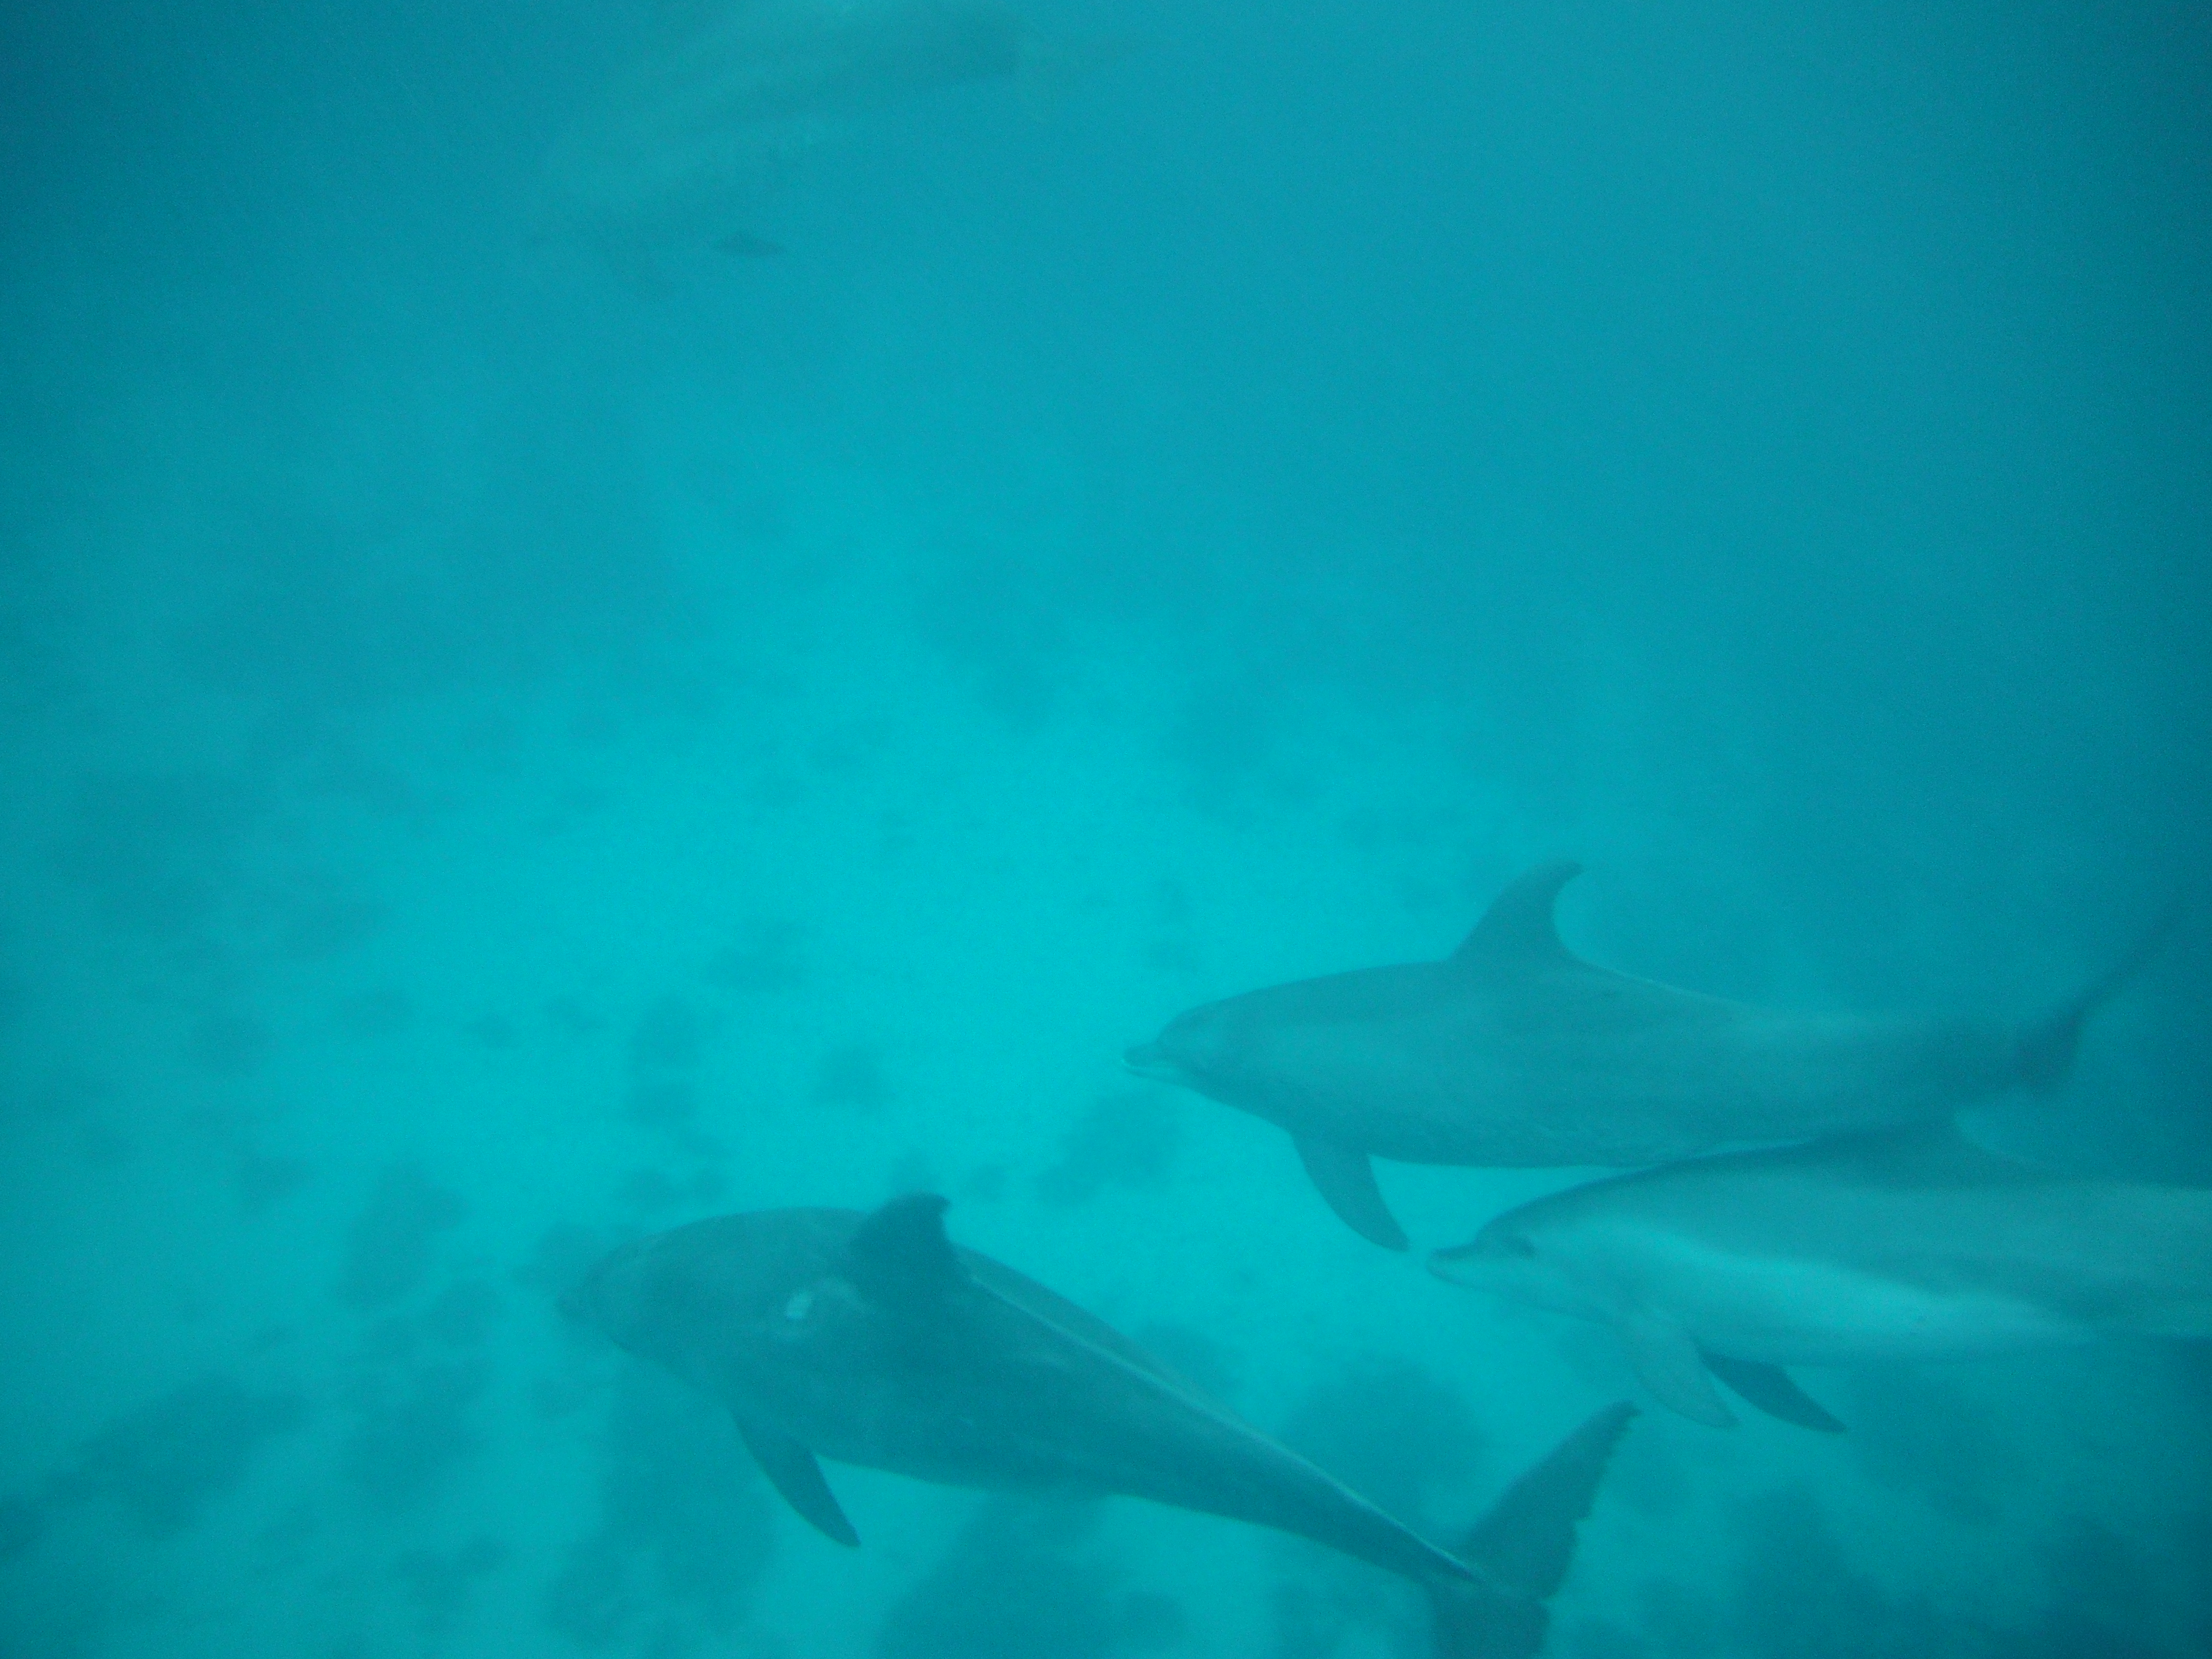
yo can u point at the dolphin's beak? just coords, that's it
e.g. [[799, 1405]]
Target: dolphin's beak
[[1462, 1265], [1149, 1059]]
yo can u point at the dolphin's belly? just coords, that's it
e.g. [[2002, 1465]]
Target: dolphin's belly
[[1031, 1418], [1784, 1311], [947, 1431], [955, 1449], [1477, 1089]]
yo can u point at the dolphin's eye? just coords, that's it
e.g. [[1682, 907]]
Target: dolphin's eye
[[800, 1305]]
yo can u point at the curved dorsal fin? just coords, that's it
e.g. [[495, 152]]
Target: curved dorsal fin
[[1517, 930], [899, 1253]]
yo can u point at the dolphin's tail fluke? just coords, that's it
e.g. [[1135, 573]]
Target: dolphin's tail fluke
[[2042, 1050], [1523, 1547]]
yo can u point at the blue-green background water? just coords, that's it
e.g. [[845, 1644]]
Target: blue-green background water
[[506, 747]]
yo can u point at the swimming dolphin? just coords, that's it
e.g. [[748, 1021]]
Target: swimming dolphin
[[686, 142], [1512, 1052], [874, 1339], [1896, 1245]]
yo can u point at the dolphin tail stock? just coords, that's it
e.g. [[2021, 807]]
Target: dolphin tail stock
[[2044, 1048], [1522, 1546]]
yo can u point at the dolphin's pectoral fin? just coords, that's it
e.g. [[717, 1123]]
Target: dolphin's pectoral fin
[[1523, 1547], [1346, 1180], [1666, 1360], [792, 1470], [1517, 931], [1770, 1390], [899, 1257]]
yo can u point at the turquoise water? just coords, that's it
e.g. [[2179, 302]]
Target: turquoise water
[[517, 738]]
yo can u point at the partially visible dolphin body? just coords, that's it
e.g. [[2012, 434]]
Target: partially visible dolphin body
[[1898, 1245], [1512, 1052], [685, 144], [873, 1339]]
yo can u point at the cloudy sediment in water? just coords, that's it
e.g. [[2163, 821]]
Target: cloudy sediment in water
[[516, 742]]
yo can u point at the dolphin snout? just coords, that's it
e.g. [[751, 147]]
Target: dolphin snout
[[1150, 1060], [1474, 1263], [1450, 1265]]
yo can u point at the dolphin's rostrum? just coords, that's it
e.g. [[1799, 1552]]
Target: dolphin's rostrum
[[1513, 1052], [1896, 1245], [873, 1339]]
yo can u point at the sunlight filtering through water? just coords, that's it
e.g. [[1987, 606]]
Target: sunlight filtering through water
[[618, 615]]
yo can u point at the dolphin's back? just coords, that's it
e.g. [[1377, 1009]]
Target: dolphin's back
[[1056, 1310], [1950, 1247]]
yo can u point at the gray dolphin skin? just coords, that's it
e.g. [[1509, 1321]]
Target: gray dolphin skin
[[873, 1339], [1900, 1245], [684, 146], [1512, 1052]]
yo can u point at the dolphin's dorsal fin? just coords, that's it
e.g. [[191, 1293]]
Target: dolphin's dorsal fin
[[792, 1470], [1518, 931], [899, 1254]]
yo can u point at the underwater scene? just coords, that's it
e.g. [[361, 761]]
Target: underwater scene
[[997, 830]]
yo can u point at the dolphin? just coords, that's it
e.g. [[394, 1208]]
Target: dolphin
[[1895, 1245], [1512, 1052], [690, 137], [874, 1339]]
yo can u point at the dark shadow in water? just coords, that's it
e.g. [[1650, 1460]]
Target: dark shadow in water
[[1125, 1139], [164, 1463], [686, 1529], [1017, 1584], [1401, 1437], [391, 1245]]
